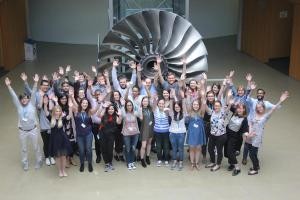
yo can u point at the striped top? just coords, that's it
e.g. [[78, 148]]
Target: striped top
[[161, 122]]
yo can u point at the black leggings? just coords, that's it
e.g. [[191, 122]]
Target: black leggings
[[46, 141], [218, 142], [107, 146], [118, 142], [207, 133], [95, 131], [162, 146], [233, 140]]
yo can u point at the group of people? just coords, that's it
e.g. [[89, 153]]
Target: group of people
[[135, 117]]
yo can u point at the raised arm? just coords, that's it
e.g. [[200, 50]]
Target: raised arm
[[139, 75], [34, 89], [158, 69], [12, 93], [183, 75], [282, 98], [133, 75], [114, 75], [28, 90]]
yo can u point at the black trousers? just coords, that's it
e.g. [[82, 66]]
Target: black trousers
[[118, 141], [107, 146], [207, 133], [162, 146], [95, 130], [46, 141], [233, 140], [253, 156], [218, 142]]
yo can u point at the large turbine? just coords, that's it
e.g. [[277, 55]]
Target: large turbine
[[146, 34]]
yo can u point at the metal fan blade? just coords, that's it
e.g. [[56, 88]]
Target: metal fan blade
[[110, 53], [112, 38], [166, 21], [138, 23], [180, 27], [123, 28], [151, 18]]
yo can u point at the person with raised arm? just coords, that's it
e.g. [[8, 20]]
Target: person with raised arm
[[130, 132], [27, 123], [177, 130], [147, 83], [218, 135], [120, 83], [110, 120], [171, 82], [256, 130], [60, 145]]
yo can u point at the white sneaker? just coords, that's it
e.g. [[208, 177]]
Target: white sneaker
[[129, 167], [52, 160], [167, 163], [48, 162], [158, 164], [133, 166]]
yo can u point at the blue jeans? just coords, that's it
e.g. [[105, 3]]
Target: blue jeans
[[130, 145], [177, 142], [85, 147]]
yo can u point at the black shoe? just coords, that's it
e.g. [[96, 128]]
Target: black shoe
[[81, 169], [143, 163], [236, 172], [138, 159], [116, 158], [230, 168], [90, 167], [148, 160], [98, 159], [121, 158]]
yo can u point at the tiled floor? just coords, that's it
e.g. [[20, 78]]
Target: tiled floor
[[279, 177]]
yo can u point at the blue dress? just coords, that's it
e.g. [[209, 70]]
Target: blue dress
[[196, 132]]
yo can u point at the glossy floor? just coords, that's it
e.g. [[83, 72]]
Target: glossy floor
[[279, 177]]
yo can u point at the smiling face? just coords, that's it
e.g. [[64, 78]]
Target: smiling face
[[215, 89], [193, 84], [195, 106], [161, 105], [123, 83], [135, 92], [260, 108], [57, 112], [117, 96], [81, 93], [44, 86], [145, 102], [45, 99], [166, 94], [240, 91], [84, 104], [217, 106], [81, 78], [210, 97], [177, 108], [111, 110], [260, 94], [24, 100], [240, 110], [129, 106], [63, 100], [171, 79], [148, 82], [101, 79]]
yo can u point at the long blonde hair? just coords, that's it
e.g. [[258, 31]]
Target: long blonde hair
[[53, 120]]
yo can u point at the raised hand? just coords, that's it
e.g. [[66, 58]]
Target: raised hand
[[183, 60], [76, 75], [7, 81], [231, 73], [71, 92], [61, 70], [70, 103], [132, 64], [249, 77], [94, 69], [284, 96], [155, 66], [68, 68], [158, 59], [45, 77], [36, 78], [106, 104], [55, 76], [119, 112], [182, 77], [252, 85], [90, 82], [115, 63], [122, 100], [105, 73], [204, 75], [23, 76], [139, 67], [54, 98]]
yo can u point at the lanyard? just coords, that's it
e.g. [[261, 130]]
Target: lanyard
[[82, 117]]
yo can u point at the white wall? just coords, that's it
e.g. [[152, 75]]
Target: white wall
[[215, 18], [68, 21], [79, 21]]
